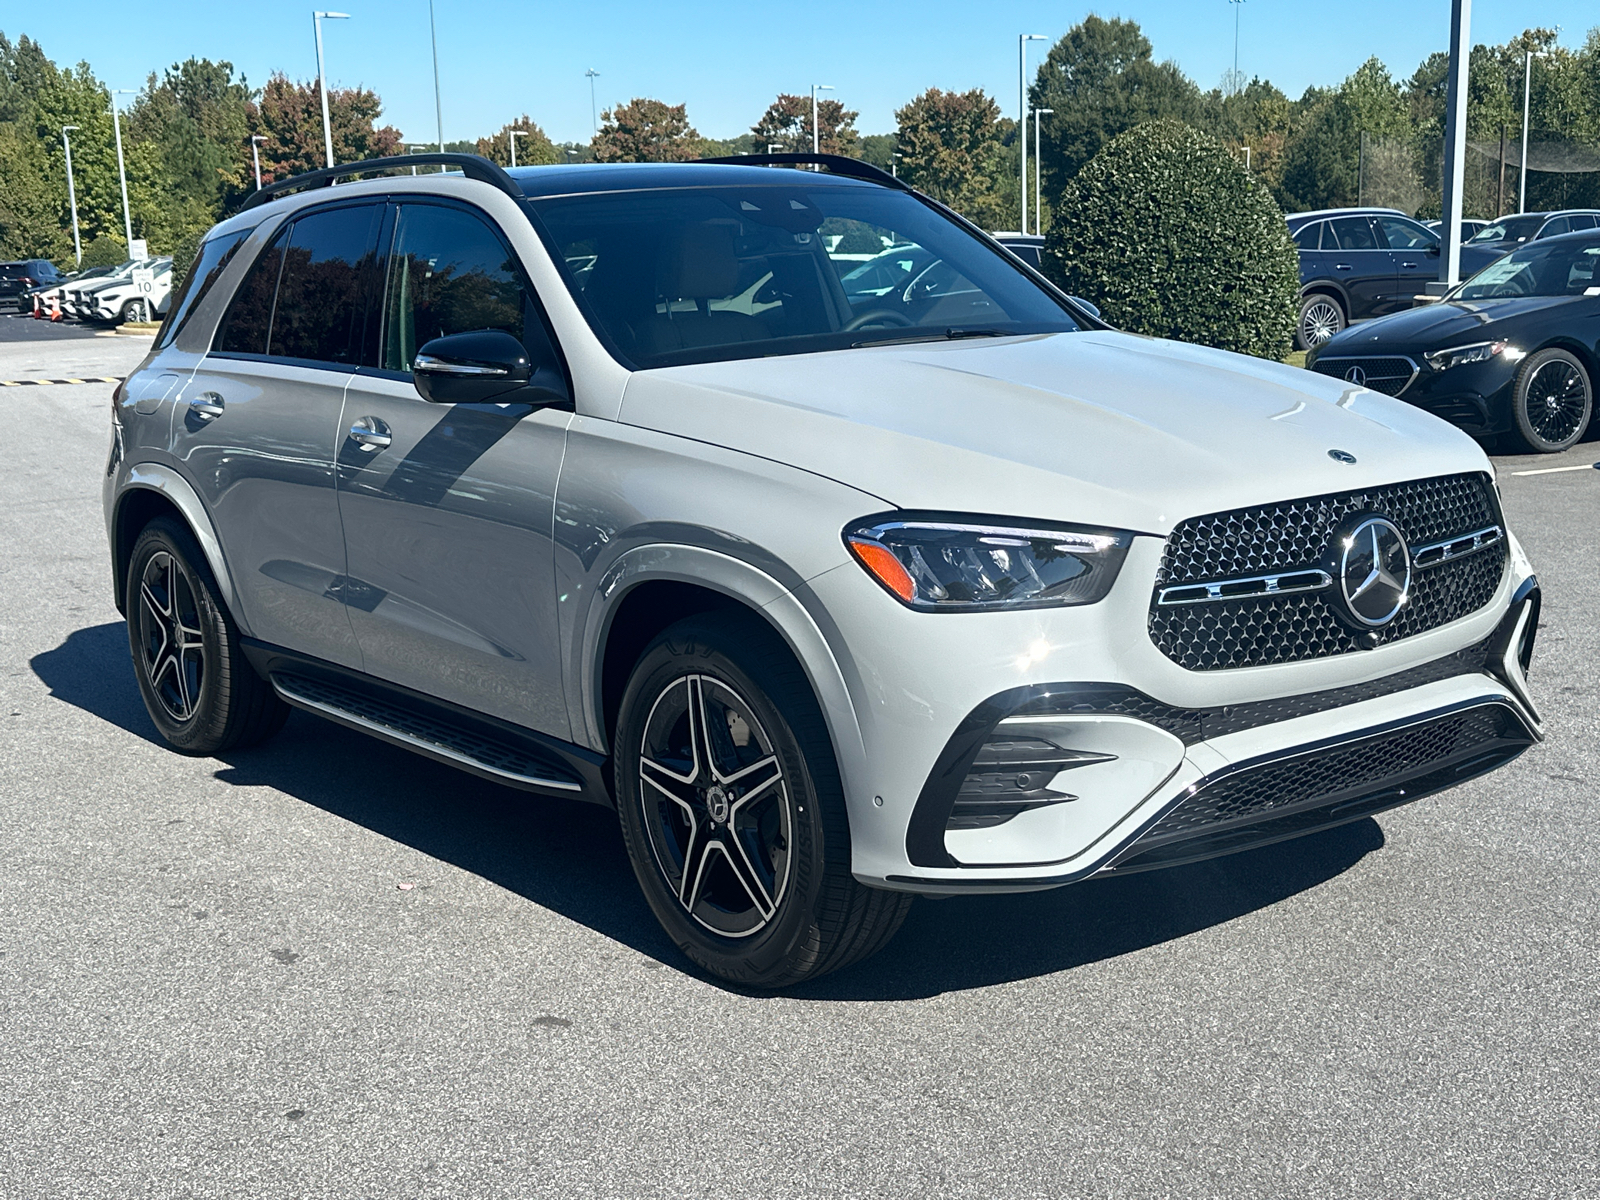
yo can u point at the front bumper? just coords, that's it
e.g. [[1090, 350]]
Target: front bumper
[[1221, 761]]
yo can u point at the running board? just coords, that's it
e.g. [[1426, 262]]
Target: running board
[[445, 741]]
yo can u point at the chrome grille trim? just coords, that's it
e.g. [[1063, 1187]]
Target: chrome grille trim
[[1456, 547], [1238, 589]]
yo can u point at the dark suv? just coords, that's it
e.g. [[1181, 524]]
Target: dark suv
[[18, 278], [1357, 263]]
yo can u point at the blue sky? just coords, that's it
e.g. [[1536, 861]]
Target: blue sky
[[500, 58]]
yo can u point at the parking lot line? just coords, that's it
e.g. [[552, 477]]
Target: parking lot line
[[1558, 470], [48, 382]]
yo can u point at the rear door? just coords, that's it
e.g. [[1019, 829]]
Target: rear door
[[448, 509], [1363, 265], [257, 424]]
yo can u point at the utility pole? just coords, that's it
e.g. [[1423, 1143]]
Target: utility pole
[[1022, 114], [72, 193], [1455, 141], [322, 79], [816, 134], [255, 156], [1038, 195], [438, 104], [591, 74]]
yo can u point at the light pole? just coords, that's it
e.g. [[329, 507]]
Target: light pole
[[438, 103], [322, 79], [72, 193], [1022, 106], [1527, 96], [122, 174], [1038, 196], [412, 148], [255, 156], [1455, 143], [594, 120], [511, 136], [894, 163], [816, 133], [1235, 78]]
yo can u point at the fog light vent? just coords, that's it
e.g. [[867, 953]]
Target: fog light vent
[[1012, 774]]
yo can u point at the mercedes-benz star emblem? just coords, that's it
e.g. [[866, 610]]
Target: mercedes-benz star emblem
[[1374, 571], [1343, 456], [1356, 376]]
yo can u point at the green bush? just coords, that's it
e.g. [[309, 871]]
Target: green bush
[[107, 250], [1168, 233]]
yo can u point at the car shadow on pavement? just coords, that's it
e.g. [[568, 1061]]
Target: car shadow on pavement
[[568, 856]]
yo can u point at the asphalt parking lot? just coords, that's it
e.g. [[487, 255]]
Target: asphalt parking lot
[[328, 968]]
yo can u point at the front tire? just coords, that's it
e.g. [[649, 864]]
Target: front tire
[[1321, 316], [733, 813], [1552, 401], [199, 690]]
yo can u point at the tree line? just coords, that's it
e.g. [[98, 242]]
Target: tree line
[[188, 136]]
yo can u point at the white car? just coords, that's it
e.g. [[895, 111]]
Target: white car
[[126, 297], [836, 598]]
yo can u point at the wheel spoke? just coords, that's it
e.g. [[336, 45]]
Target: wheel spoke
[[695, 854], [744, 773], [744, 870], [662, 775], [667, 791], [700, 731], [753, 794]]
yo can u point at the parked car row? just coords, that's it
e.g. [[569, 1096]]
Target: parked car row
[[106, 294]]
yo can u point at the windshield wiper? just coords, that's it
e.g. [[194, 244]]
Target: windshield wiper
[[948, 335]]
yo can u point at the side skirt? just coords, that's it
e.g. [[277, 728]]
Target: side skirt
[[459, 737]]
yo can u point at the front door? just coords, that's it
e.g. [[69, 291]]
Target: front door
[[1363, 265], [448, 509], [257, 424], [1416, 257]]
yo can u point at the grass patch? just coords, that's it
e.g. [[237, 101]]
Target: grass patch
[[1297, 358]]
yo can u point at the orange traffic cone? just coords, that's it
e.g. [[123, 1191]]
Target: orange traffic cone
[[55, 305]]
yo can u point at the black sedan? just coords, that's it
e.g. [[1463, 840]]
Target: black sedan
[[1515, 349]]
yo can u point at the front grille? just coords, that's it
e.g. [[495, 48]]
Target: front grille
[[1294, 536], [1370, 773], [1388, 374]]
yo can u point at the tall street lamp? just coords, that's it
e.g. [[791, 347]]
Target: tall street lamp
[[1038, 196], [1527, 96], [255, 156], [322, 79], [72, 193], [816, 133], [438, 104], [1022, 105], [594, 120], [122, 174], [512, 135]]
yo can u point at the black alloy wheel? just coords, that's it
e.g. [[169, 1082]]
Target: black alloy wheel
[[201, 693], [1552, 402], [732, 809], [1320, 318]]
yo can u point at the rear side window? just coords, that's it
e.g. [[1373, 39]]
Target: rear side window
[[321, 295], [249, 318], [1581, 221], [207, 267], [449, 273], [1559, 225], [1353, 233], [1307, 237]]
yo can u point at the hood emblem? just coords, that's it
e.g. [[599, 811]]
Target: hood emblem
[[1343, 456], [1356, 376], [1373, 567]]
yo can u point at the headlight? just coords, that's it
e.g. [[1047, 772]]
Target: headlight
[[1455, 356], [939, 565]]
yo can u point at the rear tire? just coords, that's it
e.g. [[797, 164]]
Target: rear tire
[[1321, 316], [1552, 402], [200, 691], [733, 813]]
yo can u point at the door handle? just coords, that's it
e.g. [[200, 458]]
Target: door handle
[[1341, 266], [1409, 266], [207, 406], [370, 434]]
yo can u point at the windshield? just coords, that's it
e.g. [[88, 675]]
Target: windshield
[[1560, 268], [1516, 229], [715, 273]]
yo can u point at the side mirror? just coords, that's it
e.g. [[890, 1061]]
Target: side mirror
[[1092, 309], [484, 366]]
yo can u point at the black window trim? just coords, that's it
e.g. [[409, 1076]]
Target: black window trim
[[170, 330]]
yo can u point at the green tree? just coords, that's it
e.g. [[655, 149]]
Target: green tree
[[1322, 165], [289, 119], [1170, 236], [952, 146], [107, 250], [645, 130], [1100, 79], [787, 125], [534, 147]]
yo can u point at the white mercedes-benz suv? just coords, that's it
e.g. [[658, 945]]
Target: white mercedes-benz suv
[[597, 482]]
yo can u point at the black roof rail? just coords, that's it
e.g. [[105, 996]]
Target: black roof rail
[[473, 166], [837, 164]]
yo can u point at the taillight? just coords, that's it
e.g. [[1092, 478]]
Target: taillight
[[28, 282]]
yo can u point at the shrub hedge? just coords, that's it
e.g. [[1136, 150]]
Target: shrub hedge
[[1167, 232]]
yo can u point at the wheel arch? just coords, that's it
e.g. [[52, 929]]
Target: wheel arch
[[154, 491], [1327, 287]]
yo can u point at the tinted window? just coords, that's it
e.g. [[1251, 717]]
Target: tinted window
[[1514, 229], [321, 306], [449, 272], [1308, 234], [709, 273], [249, 316], [1354, 233], [1558, 225], [208, 264], [1539, 269], [1581, 221], [1404, 235]]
